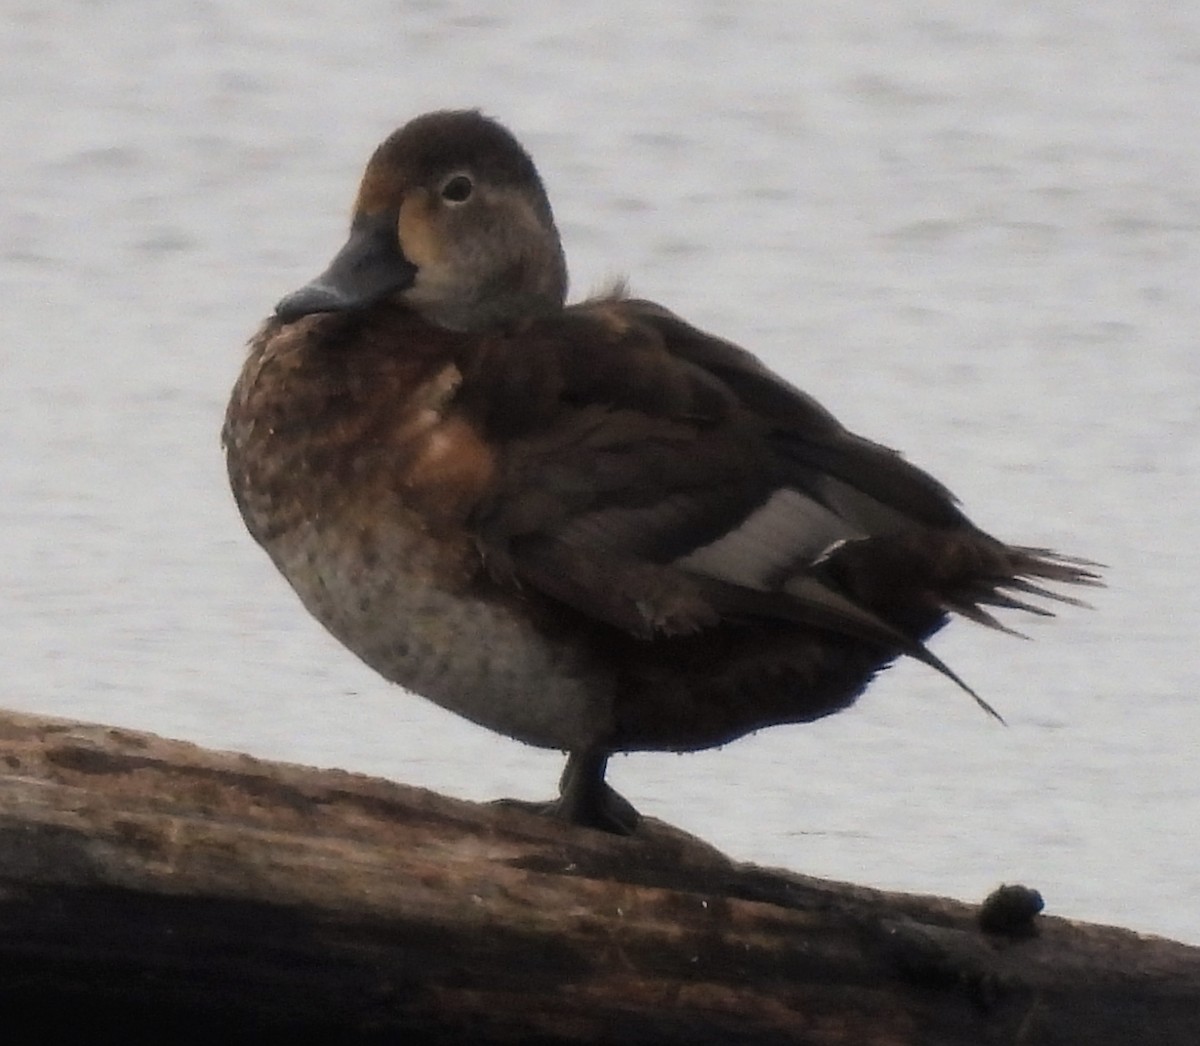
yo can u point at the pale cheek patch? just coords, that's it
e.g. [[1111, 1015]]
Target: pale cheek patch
[[418, 240], [379, 190], [789, 529]]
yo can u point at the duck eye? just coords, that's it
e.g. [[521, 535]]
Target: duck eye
[[458, 189]]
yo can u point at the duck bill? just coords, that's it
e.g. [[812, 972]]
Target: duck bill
[[367, 269]]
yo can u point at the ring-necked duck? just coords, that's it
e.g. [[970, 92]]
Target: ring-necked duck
[[589, 527]]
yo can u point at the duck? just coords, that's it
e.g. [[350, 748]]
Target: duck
[[589, 527]]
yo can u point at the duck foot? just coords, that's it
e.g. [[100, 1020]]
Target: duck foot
[[585, 799]]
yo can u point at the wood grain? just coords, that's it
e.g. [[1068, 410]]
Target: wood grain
[[152, 887]]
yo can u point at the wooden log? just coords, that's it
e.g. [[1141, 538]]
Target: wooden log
[[153, 887]]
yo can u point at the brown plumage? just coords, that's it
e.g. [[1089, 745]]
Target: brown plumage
[[589, 527]]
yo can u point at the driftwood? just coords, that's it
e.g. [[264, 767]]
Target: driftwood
[[149, 887]]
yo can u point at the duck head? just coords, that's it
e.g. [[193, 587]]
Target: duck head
[[452, 220]]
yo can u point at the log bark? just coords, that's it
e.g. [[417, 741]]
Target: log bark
[[152, 887]]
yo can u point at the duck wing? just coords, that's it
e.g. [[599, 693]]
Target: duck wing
[[664, 481]]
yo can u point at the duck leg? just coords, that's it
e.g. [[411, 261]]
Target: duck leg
[[584, 797]]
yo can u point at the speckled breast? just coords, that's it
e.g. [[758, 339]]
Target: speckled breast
[[472, 655], [351, 472]]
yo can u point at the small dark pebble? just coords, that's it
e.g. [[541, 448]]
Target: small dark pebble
[[1011, 910]]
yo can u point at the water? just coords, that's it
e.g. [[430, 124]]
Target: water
[[972, 231]]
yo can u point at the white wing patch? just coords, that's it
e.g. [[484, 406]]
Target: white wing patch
[[788, 529]]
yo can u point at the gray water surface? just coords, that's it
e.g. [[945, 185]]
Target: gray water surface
[[971, 229]]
